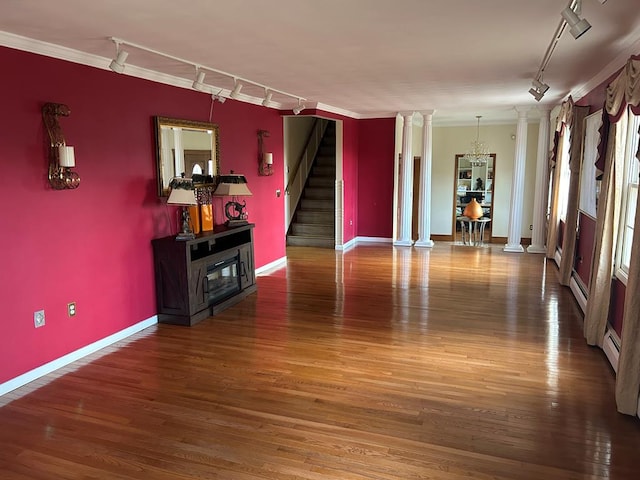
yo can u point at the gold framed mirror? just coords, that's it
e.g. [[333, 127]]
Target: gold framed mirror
[[185, 147]]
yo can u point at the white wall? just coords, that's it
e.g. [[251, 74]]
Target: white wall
[[449, 141]]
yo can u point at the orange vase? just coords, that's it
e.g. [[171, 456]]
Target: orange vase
[[473, 210], [206, 212]]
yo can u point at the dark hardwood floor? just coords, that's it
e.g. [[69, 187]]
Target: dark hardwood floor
[[379, 363]]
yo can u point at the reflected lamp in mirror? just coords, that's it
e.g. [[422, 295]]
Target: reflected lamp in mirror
[[62, 157], [185, 148], [265, 159], [234, 186], [183, 195]]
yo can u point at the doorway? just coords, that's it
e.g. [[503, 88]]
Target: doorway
[[473, 180]]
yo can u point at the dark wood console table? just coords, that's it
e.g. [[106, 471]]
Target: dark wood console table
[[199, 278]]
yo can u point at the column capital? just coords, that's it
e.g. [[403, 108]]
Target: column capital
[[427, 113], [522, 111], [407, 115], [545, 109]]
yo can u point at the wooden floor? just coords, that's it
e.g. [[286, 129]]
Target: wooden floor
[[379, 363]]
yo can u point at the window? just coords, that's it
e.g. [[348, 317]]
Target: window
[[629, 196], [565, 175]]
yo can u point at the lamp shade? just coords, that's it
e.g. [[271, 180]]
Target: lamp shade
[[66, 156], [268, 158], [181, 196], [232, 186]]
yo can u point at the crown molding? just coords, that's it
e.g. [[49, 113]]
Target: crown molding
[[611, 68], [336, 110]]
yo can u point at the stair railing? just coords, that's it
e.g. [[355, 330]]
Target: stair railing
[[298, 175]]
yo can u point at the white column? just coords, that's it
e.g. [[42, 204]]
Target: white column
[[517, 185], [424, 222], [406, 176], [541, 195]]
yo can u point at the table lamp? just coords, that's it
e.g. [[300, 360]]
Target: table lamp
[[183, 194], [234, 186]]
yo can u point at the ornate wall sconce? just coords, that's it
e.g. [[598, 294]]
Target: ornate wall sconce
[[265, 159], [61, 156]]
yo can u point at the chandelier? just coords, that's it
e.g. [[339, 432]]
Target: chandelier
[[478, 155]]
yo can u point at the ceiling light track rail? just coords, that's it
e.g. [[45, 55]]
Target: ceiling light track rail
[[118, 63]]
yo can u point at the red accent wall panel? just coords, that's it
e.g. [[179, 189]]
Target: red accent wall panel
[[616, 307], [92, 245], [375, 177], [584, 247]]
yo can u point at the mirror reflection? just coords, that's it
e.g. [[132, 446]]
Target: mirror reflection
[[185, 148], [473, 181]]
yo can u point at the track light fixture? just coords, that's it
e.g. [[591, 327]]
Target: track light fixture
[[117, 64], [219, 97], [235, 93], [538, 89], [267, 98], [577, 26], [198, 83], [301, 106]]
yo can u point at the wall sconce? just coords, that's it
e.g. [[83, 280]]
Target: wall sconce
[[265, 159], [61, 156]]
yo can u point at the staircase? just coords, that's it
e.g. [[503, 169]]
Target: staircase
[[313, 224]]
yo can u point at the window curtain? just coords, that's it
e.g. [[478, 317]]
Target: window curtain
[[564, 117], [575, 163], [607, 221], [622, 92]]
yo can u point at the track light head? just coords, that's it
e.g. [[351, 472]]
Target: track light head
[[301, 106], [540, 86], [537, 94], [577, 26], [235, 93], [117, 64], [219, 97], [267, 98], [198, 82]]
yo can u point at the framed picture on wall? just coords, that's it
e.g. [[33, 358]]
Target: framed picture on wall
[[589, 186]]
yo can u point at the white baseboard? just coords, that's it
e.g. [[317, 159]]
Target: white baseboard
[[557, 257], [373, 240], [578, 294], [346, 246], [74, 356], [272, 267], [611, 347]]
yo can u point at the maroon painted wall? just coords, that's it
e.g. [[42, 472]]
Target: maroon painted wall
[[375, 177], [92, 245], [616, 307]]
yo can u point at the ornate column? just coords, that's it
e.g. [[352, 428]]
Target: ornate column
[[539, 235], [406, 182], [517, 185], [424, 222]]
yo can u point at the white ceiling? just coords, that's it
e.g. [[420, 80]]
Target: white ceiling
[[369, 58]]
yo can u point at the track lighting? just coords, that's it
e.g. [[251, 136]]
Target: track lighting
[[267, 98], [219, 97], [117, 64], [537, 94], [577, 25], [235, 93], [301, 106], [198, 82], [540, 86]]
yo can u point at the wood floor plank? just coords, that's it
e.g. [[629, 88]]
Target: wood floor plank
[[376, 363]]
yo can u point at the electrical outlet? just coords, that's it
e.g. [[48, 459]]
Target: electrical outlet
[[38, 318], [530, 227], [71, 309]]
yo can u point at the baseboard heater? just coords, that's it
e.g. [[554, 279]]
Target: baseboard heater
[[611, 347]]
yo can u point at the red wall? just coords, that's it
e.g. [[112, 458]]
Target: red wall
[[92, 245], [375, 177]]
